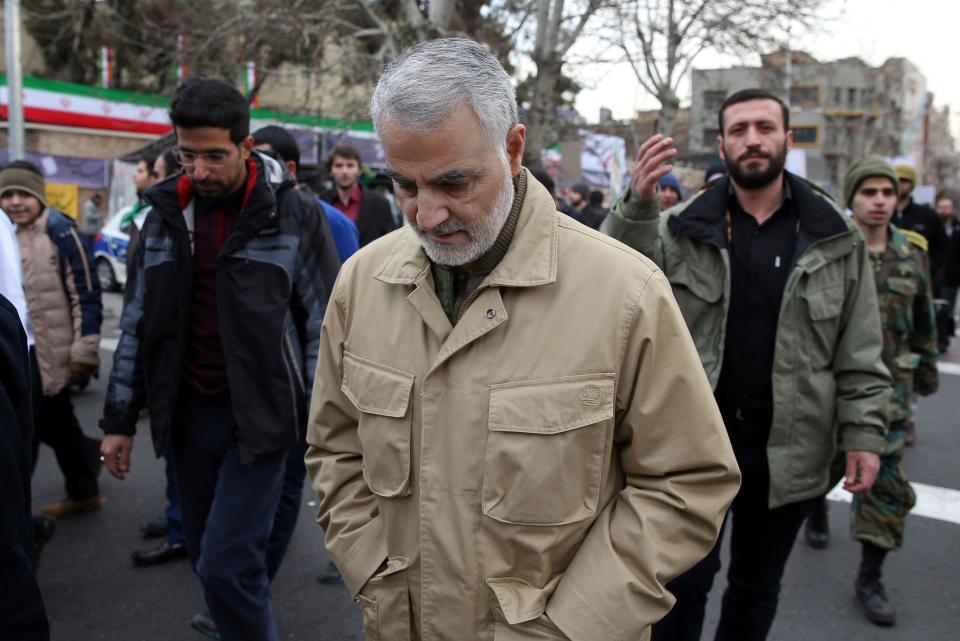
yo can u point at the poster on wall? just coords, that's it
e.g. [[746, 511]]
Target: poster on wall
[[63, 196]]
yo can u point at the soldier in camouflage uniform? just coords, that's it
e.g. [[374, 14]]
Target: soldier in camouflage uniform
[[910, 352]]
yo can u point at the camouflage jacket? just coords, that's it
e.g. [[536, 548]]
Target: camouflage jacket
[[906, 313]]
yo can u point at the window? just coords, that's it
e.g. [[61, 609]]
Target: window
[[805, 135], [805, 95], [713, 100], [838, 97], [710, 137], [852, 98]]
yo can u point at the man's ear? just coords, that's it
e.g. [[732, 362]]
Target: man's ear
[[516, 138], [291, 167], [246, 147]]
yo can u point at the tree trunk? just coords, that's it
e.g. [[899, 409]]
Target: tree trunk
[[669, 106], [540, 121]]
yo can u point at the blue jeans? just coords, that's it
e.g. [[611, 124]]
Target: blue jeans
[[174, 532], [288, 510], [228, 511]]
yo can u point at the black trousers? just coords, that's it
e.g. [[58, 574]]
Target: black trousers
[[56, 425], [760, 543]]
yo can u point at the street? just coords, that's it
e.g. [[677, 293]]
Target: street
[[94, 593]]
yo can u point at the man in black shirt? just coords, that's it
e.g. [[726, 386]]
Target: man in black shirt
[[777, 291]]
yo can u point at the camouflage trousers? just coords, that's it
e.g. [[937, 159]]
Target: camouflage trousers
[[878, 516]]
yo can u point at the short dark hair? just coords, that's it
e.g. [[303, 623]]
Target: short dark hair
[[24, 164], [596, 198], [344, 151], [207, 102], [746, 95], [281, 141], [546, 180], [150, 159], [170, 162]]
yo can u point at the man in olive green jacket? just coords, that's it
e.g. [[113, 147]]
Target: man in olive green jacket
[[777, 290], [510, 435]]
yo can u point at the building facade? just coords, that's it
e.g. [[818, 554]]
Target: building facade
[[839, 111]]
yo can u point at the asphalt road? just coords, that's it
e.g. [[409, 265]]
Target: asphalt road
[[93, 592]]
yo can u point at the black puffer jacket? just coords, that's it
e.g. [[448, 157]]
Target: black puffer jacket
[[274, 275]]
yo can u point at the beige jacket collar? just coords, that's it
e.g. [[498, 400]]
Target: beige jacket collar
[[530, 261]]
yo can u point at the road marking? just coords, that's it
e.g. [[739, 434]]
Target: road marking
[[949, 368], [934, 502]]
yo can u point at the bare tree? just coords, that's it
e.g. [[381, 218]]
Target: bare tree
[[557, 28], [661, 39]]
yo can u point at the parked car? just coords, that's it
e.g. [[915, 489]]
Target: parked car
[[110, 252]]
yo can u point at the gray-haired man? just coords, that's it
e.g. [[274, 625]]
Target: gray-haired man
[[484, 466]]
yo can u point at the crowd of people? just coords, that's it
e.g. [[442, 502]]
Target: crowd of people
[[499, 446]]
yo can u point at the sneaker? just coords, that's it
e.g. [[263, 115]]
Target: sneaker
[[203, 623], [68, 507], [873, 600], [162, 553]]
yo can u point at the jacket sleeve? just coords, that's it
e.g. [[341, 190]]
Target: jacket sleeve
[[636, 222], [319, 264], [923, 338], [680, 473], [83, 289], [348, 511], [863, 382], [126, 392]]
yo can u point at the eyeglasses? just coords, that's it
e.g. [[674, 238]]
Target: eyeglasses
[[211, 159]]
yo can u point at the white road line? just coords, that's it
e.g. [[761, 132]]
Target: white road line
[[949, 368], [934, 502]]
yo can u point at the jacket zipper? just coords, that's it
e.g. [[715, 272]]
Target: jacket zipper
[[294, 364]]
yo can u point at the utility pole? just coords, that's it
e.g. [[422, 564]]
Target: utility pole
[[11, 27]]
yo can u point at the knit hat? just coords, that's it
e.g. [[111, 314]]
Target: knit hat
[[670, 180], [23, 179], [906, 172], [867, 167]]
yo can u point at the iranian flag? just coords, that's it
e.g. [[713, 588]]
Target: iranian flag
[[61, 103]]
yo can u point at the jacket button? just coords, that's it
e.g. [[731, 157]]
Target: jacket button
[[491, 313]]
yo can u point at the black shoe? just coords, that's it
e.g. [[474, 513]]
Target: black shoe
[[817, 528], [43, 529], [162, 553], [330, 575], [873, 599], [204, 624], [154, 529]]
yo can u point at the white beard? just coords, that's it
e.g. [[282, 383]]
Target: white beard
[[483, 231]]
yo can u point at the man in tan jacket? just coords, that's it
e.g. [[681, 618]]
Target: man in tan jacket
[[511, 434]]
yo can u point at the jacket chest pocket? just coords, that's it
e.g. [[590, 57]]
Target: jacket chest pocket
[[824, 307], [896, 303], [546, 441], [382, 394]]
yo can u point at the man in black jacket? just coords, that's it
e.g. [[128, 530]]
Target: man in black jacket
[[365, 207], [22, 614], [220, 332]]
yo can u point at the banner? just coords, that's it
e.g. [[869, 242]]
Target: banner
[[603, 161], [63, 197]]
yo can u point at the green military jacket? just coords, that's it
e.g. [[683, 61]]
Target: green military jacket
[[830, 387], [908, 320]]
